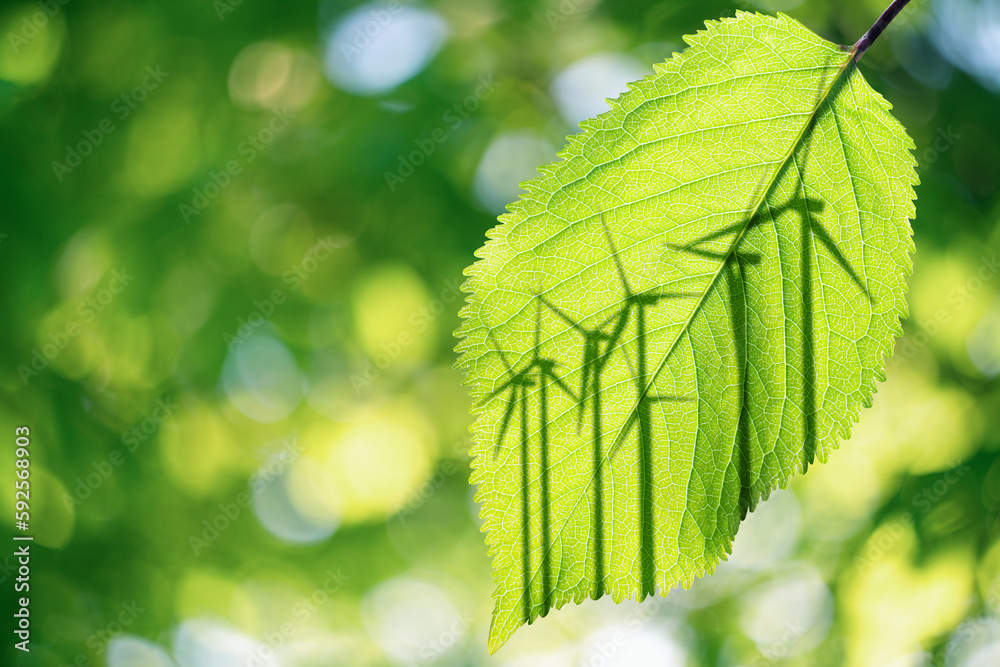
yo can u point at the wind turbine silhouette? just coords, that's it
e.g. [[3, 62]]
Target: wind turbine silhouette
[[600, 342], [642, 416], [598, 347], [733, 273], [540, 370]]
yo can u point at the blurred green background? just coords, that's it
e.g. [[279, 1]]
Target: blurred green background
[[231, 238]]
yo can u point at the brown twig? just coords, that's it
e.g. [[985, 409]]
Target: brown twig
[[878, 28]]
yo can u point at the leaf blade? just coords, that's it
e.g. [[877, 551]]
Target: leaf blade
[[710, 426]]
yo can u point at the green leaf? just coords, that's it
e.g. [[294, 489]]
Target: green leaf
[[687, 308]]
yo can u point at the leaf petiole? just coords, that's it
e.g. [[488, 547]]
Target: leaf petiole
[[878, 28]]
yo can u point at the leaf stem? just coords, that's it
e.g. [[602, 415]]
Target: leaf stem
[[878, 28]]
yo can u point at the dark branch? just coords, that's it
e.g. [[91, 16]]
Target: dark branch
[[878, 28]]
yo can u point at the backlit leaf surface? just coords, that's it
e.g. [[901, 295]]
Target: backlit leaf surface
[[691, 305]]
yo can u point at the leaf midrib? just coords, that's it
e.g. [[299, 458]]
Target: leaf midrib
[[729, 252], [697, 307]]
